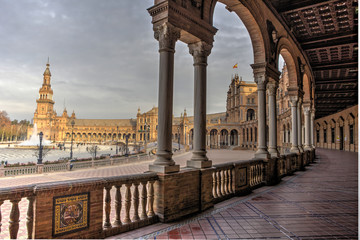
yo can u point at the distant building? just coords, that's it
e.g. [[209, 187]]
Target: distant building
[[235, 127]]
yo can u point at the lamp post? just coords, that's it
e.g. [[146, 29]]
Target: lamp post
[[117, 140], [185, 134], [127, 141], [40, 148], [179, 137], [72, 133], [145, 130]]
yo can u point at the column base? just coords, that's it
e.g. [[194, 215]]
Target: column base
[[307, 148], [274, 152], [199, 164], [164, 168], [294, 150], [262, 153], [301, 149]]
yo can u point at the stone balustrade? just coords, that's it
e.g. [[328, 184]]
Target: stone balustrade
[[122, 203]]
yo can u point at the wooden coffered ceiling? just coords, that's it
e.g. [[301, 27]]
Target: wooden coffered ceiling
[[327, 31]]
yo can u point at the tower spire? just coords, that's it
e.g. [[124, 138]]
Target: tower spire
[[47, 70]]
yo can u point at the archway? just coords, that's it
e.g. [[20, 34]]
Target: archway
[[234, 137], [213, 138], [224, 141]]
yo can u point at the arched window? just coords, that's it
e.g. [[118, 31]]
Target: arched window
[[250, 115]]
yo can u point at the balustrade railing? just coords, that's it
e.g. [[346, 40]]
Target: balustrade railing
[[256, 173], [55, 167], [125, 202], [129, 202], [15, 171], [223, 180]]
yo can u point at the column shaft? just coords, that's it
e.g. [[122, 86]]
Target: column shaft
[[312, 137], [261, 81], [307, 128], [294, 130], [299, 123], [272, 121], [167, 35]]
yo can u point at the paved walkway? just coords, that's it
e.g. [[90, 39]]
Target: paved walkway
[[319, 203]]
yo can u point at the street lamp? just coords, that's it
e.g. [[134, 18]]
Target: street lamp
[[40, 148], [117, 140], [72, 133], [179, 137], [185, 134], [127, 141]]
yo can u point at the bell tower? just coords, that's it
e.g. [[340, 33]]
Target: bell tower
[[44, 115]]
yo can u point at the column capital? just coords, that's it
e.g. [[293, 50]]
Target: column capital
[[272, 87], [200, 51], [261, 80], [306, 109], [294, 100], [167, 35]]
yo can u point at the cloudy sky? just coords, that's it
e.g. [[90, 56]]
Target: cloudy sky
[[104, 58]]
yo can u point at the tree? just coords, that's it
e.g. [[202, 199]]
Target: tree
[[93, 150], [45, 152]]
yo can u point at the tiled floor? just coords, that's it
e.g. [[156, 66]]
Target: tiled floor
[[319, 203]]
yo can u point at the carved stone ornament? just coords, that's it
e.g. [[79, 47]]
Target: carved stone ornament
[[272, 87], [200, 51], [274, 39], [306, 110], [196, 3], [167, 35], [261, 81], [293, 101]]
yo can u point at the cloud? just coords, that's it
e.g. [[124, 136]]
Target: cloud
[[104, 58]]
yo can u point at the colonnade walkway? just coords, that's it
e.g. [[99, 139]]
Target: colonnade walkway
[[319, 203]]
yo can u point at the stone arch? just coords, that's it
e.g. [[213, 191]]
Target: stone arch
[[248, 19], [234, 137], [224, 133], [288, 56], [213, 138], [307, 88]]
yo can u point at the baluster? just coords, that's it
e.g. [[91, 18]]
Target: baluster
[[143, 200], [127, 203], [107, 223], [251, 183], [151, 199], [229, 181], [226, 179], [222, 183], [218, 183], [136, 202], [30, 217], [214, 185], [14, 218], [1, 202], [117, 221], [258, 174]]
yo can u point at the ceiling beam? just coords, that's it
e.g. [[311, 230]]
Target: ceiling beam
[[320, 91], [301, 5], [350, 64], [338, 37], [335, 81]]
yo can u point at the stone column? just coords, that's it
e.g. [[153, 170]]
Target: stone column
[[218, 142], [167, 35], [272, 87], [294, 129], [299, 131], [307, 128], [312, 137], [229, 139], [239, 138], [200, 51], [261, 81]]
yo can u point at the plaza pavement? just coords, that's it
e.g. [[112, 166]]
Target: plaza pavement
[[319, 203]]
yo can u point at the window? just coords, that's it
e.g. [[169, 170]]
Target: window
[[325, 135], [317, 136], [241, 102], [332, 135], [253, 100], [248, 100], [351, 129], [250, 89]]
